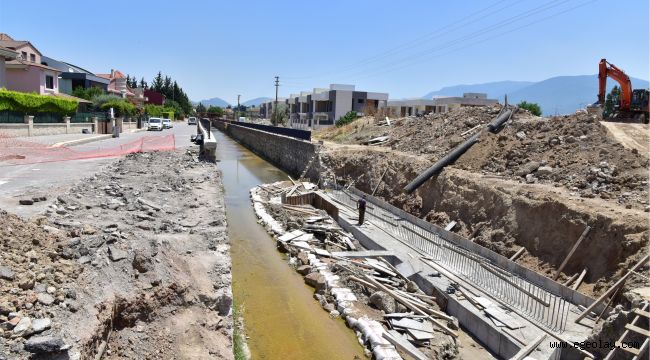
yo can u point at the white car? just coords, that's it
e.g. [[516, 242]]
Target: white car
[[191, 121], [155, 124], [167, 124]]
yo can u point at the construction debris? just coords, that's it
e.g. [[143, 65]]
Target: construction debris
[[360, 285]]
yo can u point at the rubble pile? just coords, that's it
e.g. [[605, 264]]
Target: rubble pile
[[37, 286], [118, 258], [358, 285], [575, 152]]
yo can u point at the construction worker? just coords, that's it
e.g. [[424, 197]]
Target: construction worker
[[361, 205]]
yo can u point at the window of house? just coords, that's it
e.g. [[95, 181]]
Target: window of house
[[32, 57], [24, 54], [49, 82], [360, 101]]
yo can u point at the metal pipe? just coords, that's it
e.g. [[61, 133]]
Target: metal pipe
[[440, 164], [496, 124]]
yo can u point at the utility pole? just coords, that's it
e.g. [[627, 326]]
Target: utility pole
[[275, 107], [237, 112]]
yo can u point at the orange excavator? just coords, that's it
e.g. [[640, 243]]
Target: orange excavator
[[633, 104]]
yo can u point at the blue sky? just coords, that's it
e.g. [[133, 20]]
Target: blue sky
[[406, 48]]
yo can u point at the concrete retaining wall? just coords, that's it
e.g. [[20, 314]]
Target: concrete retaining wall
[[289, 154]]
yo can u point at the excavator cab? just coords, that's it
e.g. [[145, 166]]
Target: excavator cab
[[640, 104]]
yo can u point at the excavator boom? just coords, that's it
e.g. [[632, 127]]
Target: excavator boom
[[606, 69]]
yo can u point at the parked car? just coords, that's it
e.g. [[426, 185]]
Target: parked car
[[167, 124], [191, 121], [155, 124]]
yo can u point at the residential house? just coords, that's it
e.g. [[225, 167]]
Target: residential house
[[26, 73], [417, 107], [154, 97], [324, 106], [414, 107], [117, 84], [73, 76], [6, 54]]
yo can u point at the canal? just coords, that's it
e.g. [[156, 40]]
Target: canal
[[282, 319]]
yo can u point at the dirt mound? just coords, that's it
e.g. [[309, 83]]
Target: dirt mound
[[574, 151]]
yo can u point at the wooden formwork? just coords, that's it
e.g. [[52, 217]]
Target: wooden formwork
[[314, 199]]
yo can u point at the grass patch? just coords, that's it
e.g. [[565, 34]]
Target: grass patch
[[240, 350]]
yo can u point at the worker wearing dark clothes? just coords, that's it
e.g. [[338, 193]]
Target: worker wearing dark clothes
[[361, 205]]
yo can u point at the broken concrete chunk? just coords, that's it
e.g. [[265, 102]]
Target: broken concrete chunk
[[45, 298], [383, 301], [116, 254], [40, 325], [544, 171], [23, 327], [44, 344], [315, 280], [528, 168], [6, 273]]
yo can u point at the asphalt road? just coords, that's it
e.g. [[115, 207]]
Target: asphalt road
[[18, 181]]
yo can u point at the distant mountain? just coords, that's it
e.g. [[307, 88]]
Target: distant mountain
[[566, 94], [495, 90], [557, 95], [256, 101], [214, 102]]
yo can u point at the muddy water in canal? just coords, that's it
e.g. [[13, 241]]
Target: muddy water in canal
[[282, 319]]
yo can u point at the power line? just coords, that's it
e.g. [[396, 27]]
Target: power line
[[415, 42], [474, 34], [477, 42]]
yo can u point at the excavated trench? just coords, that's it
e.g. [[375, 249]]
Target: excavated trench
[[504, 215]]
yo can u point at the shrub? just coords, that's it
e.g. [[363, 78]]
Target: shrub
[[120, 107], [532, 107], [33, 103], [87, 94], [215, 110], [346, 119]]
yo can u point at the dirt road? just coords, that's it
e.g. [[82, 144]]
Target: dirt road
[[630, 135]]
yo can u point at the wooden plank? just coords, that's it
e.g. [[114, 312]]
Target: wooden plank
[[380, 179], [612, 289], [641, 312], [363, 253], [638, 330], [580, 278], [573, 250], [517, 254], [402, 344], [524, 352], [510, 321], [451, 225], [571, 279]]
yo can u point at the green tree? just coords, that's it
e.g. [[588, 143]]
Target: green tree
[[87, 94], [612, 102], [280, 115], [532, 107], [157, 82], [215, 110], [143, 84], [200, 108]]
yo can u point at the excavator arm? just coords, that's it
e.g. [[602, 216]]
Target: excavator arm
[[606, 69]]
